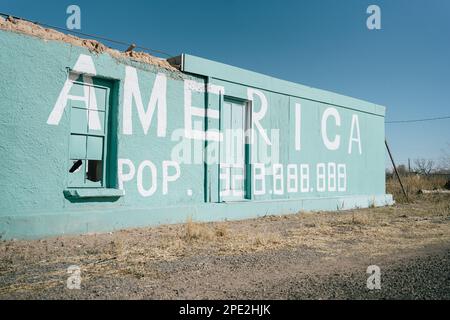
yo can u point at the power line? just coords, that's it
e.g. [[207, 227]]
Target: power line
[[419, 120], [169, 55], [87, 35], [417, 158]]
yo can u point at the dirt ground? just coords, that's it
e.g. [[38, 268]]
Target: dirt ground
[[304, 256]]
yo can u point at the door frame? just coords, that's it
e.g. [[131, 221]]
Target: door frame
[[248, 195]]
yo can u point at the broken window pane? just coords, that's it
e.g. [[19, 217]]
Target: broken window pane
[[76, 170], [94, 170], [76, 166]]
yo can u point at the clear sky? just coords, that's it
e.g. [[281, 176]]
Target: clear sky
[[405, 66]]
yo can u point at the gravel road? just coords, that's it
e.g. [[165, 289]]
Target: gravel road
[[281, 274]]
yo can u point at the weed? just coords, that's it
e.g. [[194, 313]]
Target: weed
[[197, 231]]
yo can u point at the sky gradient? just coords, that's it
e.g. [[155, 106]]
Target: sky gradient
[[405, 66]]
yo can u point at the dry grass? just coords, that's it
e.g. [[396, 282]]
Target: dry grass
[[412, 184], [197, 231], [202, 231], [221, 230], [375, 231]]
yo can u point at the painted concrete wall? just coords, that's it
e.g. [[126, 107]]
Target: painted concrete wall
[[311, 150]]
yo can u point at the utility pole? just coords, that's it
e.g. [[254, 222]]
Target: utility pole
[[395, 170], [409, 165]]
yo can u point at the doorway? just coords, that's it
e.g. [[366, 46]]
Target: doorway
[[234, 150]]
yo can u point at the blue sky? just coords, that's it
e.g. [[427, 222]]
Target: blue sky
[[321, 43]]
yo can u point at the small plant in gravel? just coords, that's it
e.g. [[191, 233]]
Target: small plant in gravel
[[197, 231], [221, 230], [359, 218], [372, 203]]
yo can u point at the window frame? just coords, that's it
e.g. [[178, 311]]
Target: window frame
[[103, 184]]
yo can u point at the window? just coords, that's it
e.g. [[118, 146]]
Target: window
[[89, 101]]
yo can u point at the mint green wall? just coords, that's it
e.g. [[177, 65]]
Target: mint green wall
[[35, 154], [34, 170]]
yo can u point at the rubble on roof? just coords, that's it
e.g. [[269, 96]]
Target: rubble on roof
[[29, 28]]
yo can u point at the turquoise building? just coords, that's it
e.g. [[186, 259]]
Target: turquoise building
[[96, 142]]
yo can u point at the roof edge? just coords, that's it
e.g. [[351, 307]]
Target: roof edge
[[217, 70]]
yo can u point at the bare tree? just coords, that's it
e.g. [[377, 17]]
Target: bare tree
[[401, 169], [424, 166]]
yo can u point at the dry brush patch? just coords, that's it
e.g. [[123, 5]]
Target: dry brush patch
[[412, 184]]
